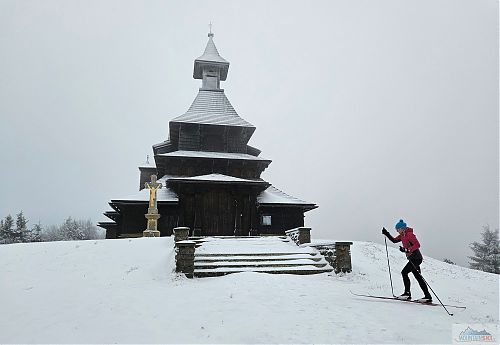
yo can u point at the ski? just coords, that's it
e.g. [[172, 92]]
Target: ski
[[406, 300]]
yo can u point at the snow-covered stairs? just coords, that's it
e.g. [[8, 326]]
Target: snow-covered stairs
[[219, 256]]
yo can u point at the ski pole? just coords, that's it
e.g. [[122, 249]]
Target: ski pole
[[389, 265], [425, 281]]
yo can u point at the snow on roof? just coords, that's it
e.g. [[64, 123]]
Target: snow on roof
[[107, 219], [211, 54], [210, 57], [212, 107], [147, 164], [163, 195], [107, 224], [215, 178], [273, 195], [216, 155]]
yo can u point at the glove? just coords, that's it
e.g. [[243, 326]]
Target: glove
[[403, 250], [385, 232]]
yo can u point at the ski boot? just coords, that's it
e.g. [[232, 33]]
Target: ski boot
[[425, 299], [405, 296]]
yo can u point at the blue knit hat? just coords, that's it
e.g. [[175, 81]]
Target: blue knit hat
[[400, 225]]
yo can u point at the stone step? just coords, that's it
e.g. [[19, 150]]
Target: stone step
[[305, 270], [275, 255], [242, 237], [203, 255], [257, 258], [264, 264]]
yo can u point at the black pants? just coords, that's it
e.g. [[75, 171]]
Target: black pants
[[413, 266]]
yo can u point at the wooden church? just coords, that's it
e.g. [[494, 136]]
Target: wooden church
[[210, 175]]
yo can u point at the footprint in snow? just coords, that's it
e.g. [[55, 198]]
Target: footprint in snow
[[131, 269]]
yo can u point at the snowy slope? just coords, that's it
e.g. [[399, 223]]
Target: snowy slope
[[124, 291]]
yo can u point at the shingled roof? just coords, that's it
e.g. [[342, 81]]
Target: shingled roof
[[218, 178], [211, 53], [272, 196], [211, 107], [214, 155]]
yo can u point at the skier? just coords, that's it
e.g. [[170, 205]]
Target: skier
[[411, 249]]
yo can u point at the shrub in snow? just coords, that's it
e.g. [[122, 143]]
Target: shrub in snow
[[20, 232], [35, 234], [19, 235], [486, 254], [71, 230], [7, 230]]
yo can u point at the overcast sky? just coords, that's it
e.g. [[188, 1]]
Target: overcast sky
[[374, 110]]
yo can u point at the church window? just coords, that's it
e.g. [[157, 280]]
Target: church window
[[266, 220]]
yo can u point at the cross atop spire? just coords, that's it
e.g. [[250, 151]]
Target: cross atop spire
[[210, 34]]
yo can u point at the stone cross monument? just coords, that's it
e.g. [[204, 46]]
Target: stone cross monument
[[152, 216]]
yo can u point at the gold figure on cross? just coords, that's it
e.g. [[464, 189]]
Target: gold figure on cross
[[152, 216], [153, 187]]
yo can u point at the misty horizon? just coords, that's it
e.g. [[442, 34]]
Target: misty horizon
[[390, 107]]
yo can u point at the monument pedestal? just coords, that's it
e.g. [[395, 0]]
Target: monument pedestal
[[150, 233], [152, 216]]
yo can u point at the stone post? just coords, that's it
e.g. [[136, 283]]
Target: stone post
[[300, 235], [343, 257], [304, 235], [181, 233], [151, 230], [184, 257]]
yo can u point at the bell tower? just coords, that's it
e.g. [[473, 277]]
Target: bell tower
[[211, 68]]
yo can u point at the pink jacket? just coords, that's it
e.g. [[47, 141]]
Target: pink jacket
[[409, 241]]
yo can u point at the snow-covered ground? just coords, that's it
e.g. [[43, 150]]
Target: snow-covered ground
[[125, 291]]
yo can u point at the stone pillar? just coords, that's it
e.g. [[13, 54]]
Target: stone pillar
[[184, 257], [181, 233], [300, 235], [304, 235], [343, 257], [151, 230]]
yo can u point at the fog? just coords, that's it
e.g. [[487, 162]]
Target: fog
[[374, 110]]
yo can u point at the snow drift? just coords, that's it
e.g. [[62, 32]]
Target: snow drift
[[125, 291]]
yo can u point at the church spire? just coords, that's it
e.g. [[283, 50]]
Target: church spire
[[210, 67]]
